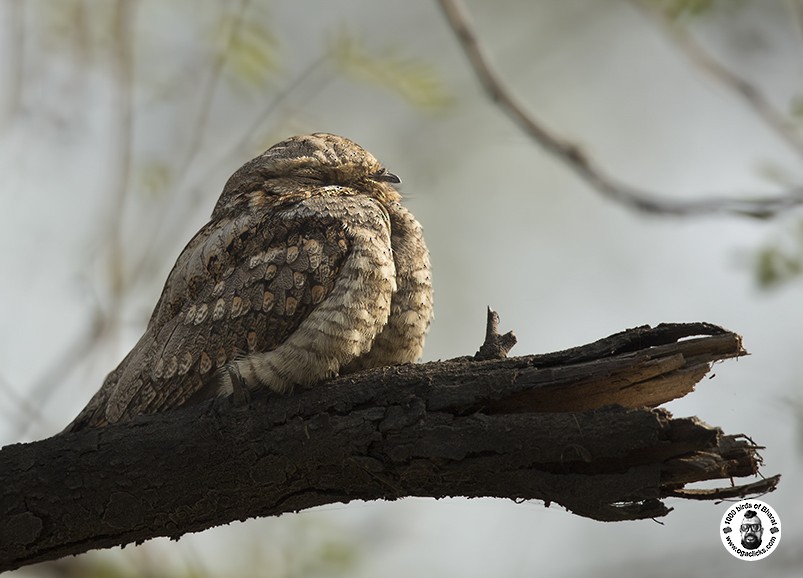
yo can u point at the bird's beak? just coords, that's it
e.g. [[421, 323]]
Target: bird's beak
[[386, 176]]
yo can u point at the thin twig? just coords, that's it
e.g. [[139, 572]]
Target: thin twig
[[271, 106], [25, 409], [16, 43], [208, 93], [797, 14], [123, 70], [196, 186], [750, 94], [495, 346], [196, 139], [573, 156], [59, 369]]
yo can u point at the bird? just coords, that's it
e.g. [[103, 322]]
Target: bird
[[310, 267]]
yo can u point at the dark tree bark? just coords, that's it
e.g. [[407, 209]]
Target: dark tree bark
[[536, 427]]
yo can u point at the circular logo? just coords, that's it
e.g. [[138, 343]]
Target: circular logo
[[750, 530]]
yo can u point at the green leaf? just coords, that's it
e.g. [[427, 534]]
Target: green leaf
[[776, 174], [155, 178], [796, 107], [251, 52], [782, 261], [688, 9], [413, 80]]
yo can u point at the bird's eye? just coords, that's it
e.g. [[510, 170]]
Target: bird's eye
[[385, 176]]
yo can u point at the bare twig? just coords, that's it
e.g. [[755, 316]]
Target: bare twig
[[16, 46], [123, 70], [59, 369], [196, 186], [247, 138], [25, 410], [699, 56], [208, 92], [797, 13], [195, 143], [122, 63], [495, 346], [572, 155]]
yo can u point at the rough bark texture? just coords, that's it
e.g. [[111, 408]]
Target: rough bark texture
[[535, 427]]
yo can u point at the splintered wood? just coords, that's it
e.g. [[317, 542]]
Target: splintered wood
[[578, 427]]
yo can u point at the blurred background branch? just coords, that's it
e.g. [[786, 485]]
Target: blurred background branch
[[582, 164], [697, 55]]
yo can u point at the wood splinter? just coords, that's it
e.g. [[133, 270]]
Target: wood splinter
[[495, 346]]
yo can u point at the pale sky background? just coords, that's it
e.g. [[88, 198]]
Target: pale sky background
[[507, 226]]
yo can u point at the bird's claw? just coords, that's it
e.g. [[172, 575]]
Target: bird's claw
[[240, 394]]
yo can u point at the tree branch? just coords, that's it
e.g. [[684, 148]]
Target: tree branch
[[535, 427], [752, 97], [578, 161]]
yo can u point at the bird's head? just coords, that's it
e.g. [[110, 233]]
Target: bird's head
[[336, 163]]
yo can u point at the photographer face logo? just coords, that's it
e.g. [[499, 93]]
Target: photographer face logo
[[750, 530]]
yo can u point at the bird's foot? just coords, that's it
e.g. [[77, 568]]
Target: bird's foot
[[240, 394]]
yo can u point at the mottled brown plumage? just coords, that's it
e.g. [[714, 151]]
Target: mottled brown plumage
[[309, 267]]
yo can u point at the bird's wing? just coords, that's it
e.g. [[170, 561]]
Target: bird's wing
[[240, 286]]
